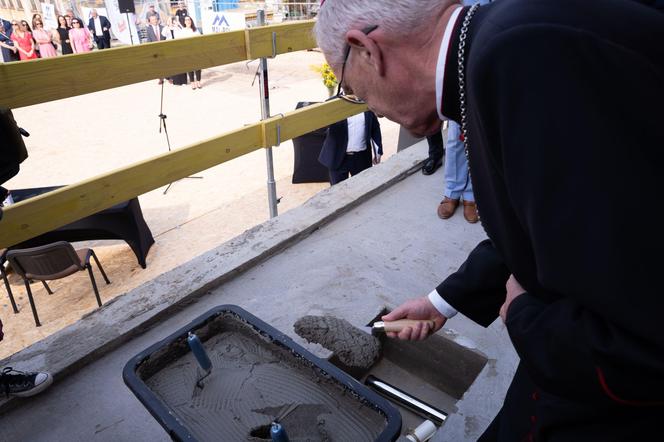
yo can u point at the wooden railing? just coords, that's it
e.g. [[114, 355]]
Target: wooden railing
[[38, 81]]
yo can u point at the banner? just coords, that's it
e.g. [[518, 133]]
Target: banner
[[48, 16], [222, 21]]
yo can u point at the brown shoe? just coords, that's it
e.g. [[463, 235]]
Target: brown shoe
[[470, 212], [447, 207]]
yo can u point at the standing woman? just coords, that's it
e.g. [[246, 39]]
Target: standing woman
[[79, 37], [44, 40], [35, 19], [62, 35], [23, 41], [189, 30], [172, 31]]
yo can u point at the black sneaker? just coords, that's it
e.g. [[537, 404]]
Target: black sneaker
[[24, 384]]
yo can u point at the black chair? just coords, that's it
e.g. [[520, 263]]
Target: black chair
[[3, 258], [53, 261]]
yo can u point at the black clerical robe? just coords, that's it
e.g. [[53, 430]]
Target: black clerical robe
[[566, 134]]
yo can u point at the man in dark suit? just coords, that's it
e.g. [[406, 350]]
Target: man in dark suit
[[436, 153], [560, 105], [347, 148], [181, 12], [154, 33], [101, 29], [154, 29], [6, 43]]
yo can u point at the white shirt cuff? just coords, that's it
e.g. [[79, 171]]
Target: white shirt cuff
[[441, 305]]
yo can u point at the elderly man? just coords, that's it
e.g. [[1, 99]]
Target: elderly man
[[101, 29], [560, 105]]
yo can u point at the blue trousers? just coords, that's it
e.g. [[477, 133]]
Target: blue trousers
[[457, 179]]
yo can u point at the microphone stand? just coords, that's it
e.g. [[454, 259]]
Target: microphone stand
[[131, 36]]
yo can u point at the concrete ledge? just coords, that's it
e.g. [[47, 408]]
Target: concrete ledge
[[131, 314]]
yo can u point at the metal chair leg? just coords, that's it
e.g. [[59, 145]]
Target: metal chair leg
[[48, 289], [9, 289], [32, 303], [94, 284], [101, 269]]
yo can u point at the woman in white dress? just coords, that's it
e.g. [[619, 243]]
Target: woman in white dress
[[189, 30]]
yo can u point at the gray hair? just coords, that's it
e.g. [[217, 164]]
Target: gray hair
[[398, 17]]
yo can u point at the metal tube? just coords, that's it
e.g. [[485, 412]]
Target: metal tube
[[265, 113], [402, 398]]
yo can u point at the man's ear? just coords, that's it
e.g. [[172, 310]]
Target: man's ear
[[367, 48]]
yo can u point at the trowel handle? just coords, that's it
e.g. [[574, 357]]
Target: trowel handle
[[400, 324]]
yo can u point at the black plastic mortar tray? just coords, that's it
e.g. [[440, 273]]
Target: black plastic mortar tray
[[258, 373]]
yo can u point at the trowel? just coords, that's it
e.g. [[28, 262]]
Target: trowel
[[377, 327]]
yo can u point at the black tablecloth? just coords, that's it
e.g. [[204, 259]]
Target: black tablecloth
[[122, 221], [306, 149]]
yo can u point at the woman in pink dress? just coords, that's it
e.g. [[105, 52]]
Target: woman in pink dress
[[79, 37], [44, 40], [23, 41]]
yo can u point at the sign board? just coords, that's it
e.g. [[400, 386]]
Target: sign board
[[48, 16], [222, 21]]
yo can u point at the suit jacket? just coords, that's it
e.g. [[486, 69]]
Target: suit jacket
[[555, 140], [5, 38], [104, 24], [152, 37], [334, 147]]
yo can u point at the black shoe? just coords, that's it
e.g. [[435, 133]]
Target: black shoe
[[24, 384], [431, 165]]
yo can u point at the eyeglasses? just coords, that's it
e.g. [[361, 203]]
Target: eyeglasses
[[340, 92]]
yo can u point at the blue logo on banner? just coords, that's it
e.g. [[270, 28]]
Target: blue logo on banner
[[220, 21]]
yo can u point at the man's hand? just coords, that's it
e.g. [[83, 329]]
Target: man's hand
[[514, 289], [376, 159], [419, 308]]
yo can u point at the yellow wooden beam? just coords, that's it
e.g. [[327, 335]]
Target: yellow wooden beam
[[46, 212], [306, 119], [37, 81], [293, 36]]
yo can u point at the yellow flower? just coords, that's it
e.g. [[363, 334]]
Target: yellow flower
[[328, 77]]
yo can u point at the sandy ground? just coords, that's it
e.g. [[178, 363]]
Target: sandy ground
[[81, 137]]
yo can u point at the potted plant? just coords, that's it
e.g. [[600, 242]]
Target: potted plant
[[328, 77]]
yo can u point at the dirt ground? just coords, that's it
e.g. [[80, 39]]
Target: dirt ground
[[84, 136]]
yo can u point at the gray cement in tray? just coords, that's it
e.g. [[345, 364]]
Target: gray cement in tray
[[351, 345], [251, 383]]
